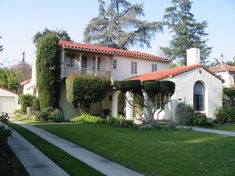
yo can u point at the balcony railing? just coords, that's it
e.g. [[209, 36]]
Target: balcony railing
[[87, 71]]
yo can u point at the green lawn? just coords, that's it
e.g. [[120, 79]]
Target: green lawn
[[230, 127], [61, 158], [155, 152], [26, 120]]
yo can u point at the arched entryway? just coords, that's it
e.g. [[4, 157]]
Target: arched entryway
[[199, 96]]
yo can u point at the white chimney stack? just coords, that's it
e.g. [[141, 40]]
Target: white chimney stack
[[193, 56]]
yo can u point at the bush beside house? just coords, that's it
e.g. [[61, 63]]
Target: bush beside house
[[48, 70], [188, 117], [26, 100], [84, 91]]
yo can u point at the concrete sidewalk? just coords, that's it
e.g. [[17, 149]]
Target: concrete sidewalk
[[34, 161], [206, 130], [95, 161]]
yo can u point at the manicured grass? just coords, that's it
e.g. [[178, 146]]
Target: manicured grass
[[27, 120], [230, 127], [155, 152], [71, 165]]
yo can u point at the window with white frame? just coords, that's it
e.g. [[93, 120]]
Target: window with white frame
[[154, 67], [133, 67], [70, 58]]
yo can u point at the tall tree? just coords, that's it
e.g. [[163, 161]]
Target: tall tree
[[118, 26], [23, 70], [187, 32], [48, 70], [60, 33], [9, 79]]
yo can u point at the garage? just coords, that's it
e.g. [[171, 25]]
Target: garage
[[8, 101]]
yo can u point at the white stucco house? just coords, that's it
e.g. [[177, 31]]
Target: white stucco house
[[8, 101], [226, 72], [195, 84]]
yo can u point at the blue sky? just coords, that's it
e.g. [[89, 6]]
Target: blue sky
[[21, 19]]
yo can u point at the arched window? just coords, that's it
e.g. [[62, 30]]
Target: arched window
[[199, 97]]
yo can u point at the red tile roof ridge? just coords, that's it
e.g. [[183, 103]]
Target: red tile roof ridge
[[103, 49], [159, 75], [222, 67]]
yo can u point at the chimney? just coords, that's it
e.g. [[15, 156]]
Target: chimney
[[193, 56]]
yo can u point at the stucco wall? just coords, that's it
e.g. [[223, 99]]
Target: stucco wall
[[9, 101], [123, 70], [225, 77], [184, 92], [68, 109]]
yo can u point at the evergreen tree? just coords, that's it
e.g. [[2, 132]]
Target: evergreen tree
[[60, 33], [187, 32], [48, 70], [118, 26]]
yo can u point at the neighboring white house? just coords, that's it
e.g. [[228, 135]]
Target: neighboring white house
[[29, 86], [194, 85], [226, 72], [8, 101]]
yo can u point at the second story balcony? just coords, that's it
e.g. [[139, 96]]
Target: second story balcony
[[84, 64], [87, 71]]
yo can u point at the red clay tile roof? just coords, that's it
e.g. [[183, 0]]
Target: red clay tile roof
[[25, 82], [222, 68], [107, 50], [159, 75]]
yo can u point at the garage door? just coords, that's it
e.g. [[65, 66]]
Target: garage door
[[7, 104]]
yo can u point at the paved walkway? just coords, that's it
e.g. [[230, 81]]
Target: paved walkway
[[34, 161], [95, 161], [206, 130]]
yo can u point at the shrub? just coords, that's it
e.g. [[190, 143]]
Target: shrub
[[86, 90], [199, 119], [26, 100], [230, 93], [48, 70], [225, 114], [119, 120], [109, 120], [185, 114], [37, 104], [129, 124], [49, 115], [106, 112], [87, 118], [4, 132]]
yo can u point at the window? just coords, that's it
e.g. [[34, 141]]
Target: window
[[70, 60], [154, 67], [199, 97], [133, 67], [84, 62], [94, 63]]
